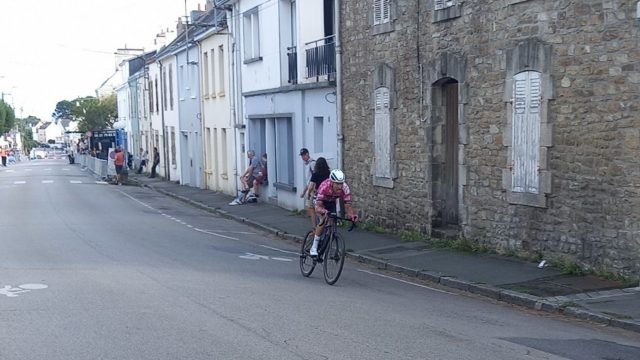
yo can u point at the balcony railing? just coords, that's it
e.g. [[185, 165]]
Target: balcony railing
[[321, 57], [292, 55]]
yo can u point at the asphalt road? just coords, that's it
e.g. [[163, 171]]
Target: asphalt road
[[96, 271]]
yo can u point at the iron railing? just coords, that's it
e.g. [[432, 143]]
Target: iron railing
[[292, 55], [321, 57]]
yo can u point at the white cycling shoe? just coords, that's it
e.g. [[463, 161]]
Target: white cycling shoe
[[313, 251]]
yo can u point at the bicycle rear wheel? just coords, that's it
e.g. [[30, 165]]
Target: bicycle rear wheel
[[334, 259], [307, 263]]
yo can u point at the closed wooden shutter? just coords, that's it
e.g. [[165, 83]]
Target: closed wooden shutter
[[526, 132], [381, 12], [382, 133]]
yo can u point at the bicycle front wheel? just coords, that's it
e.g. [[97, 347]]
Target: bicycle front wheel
[[307, 263], [334, 259]]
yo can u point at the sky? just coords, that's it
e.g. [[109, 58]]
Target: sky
[[54, 50]]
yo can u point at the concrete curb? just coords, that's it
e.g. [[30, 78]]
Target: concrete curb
[[489, 291]]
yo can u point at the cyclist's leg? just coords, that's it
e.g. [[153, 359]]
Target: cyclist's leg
[[323, 219]]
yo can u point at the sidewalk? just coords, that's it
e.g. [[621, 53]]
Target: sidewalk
[[502, 278]]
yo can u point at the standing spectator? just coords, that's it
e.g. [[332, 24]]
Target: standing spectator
[[156, 161], [144, 157], [4, 154], [119, 162], [309, 165], [321, 173]]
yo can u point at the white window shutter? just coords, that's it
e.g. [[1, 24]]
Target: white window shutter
[[439, 4], [377, 12], [526, 132], [386, 11], [382, 133]]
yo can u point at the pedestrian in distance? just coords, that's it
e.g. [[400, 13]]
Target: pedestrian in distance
[[119, 163], [260, 179], [156, 161], [144, 157], [247, 179], [309, 165], [4, 154]]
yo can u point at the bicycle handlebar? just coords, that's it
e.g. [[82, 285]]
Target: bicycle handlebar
[[336, 217]]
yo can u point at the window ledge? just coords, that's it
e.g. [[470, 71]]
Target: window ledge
[[224, 176], [529, 199], [283, 186], [252, 60], [447, 13], [221, 93], [383, 28]]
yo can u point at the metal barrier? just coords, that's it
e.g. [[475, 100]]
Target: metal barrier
[[95, 165]]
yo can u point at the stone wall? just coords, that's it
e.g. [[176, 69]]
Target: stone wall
[[592, 211]]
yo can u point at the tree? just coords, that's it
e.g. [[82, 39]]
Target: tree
[[95, 114], [7, 117], [63, 110]]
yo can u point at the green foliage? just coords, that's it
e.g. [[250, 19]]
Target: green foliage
[[296, 212], [568, 267], [412, 236], [371, 226], [7, 117], [95, 114], [461, 244], [63, 110], [91, 113]]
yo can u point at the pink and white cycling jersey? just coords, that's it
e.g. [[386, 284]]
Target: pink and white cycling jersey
[[325, 192]]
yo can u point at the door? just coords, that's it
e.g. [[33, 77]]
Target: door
[[450, 215]]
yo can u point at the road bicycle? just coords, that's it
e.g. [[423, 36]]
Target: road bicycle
[[331, 250]]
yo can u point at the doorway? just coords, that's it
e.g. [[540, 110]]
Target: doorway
[[445, 159]]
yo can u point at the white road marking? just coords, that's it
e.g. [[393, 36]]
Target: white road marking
[[216, 234], [406, 282], [281, 259], [250, 256], [19, 182], [11, 291], [75, 181], [283, 251], [47, 181], [101, 182], [33, 286], [11, 171]]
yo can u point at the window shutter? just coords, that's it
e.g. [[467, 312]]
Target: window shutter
[[526, 132], [386, 11], [382, 133], [377, 12]]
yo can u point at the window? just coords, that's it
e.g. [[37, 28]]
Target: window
[[251, 36], [526, 132], [155, 83], [382, 133], [441, 4], [284, 151], [213, 73], [221, 70], [170, 87], [205, 61], [150, 96], [164, 88], [223, 153], [381, 12], [173, 145], [318, 133]]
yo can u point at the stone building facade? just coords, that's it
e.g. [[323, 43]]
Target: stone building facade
[[514, 123]]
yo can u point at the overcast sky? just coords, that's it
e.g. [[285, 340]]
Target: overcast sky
[[53, 50]]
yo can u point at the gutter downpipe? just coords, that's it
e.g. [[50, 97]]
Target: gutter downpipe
[[236, 111], [340, 135]]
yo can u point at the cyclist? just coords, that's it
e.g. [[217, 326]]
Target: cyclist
[[329, 191]]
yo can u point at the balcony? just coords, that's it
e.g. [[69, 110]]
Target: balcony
[[292, 56], [320, 58]]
